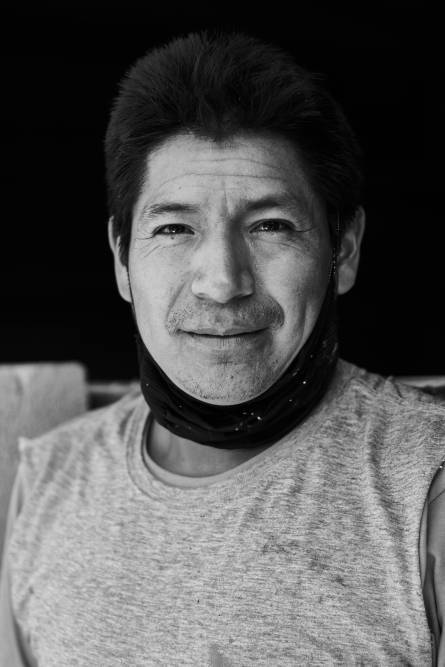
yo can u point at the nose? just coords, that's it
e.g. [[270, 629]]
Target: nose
[[222, 270]]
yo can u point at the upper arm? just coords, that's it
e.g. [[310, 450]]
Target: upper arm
[[14, 650]]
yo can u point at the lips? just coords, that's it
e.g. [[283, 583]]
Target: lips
[[215, 333], [229, 345]]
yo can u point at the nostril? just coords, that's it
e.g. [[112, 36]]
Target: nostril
[[222, 286]]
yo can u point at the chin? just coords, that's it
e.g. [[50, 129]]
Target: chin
[[219, 393]]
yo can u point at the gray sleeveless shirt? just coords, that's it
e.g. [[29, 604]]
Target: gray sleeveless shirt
[[308, 553]]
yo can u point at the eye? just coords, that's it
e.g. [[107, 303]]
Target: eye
[[273, 225], [172, 230]]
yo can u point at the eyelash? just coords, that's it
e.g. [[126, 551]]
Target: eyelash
[[159, 230], [287, 225]]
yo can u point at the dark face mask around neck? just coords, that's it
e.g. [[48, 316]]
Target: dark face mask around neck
[[263, 420]]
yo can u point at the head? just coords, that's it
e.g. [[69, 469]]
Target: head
[[231, 176]]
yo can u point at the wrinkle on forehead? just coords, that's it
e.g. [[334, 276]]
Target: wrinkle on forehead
[[185, 166], [216, 177]]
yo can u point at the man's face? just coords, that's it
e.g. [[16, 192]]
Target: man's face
[[229, 263]]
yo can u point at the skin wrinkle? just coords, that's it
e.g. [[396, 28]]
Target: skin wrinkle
[[292, 204], [216, 158], [292, 197], [199, 174]]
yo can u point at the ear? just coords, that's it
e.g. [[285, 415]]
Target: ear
[[349, 253], [120, 270]]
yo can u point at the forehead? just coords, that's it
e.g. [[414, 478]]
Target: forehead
[[202, 171]]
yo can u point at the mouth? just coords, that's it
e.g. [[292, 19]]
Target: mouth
[[227, 340], [229, 333]]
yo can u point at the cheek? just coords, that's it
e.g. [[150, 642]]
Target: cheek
[[301, 298], [154, 285], [298, 283]]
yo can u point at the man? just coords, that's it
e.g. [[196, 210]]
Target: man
[[261, 502]]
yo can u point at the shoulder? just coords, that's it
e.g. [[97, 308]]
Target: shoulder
[[381, 399], [380, 388], [97, 433]]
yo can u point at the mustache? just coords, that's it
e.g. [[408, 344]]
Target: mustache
[[259, 314]]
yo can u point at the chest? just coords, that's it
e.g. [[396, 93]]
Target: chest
[[301, 573]]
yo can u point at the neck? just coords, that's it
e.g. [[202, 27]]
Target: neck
[[191, 459]]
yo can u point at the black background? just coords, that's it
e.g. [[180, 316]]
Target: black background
[[62, 64]]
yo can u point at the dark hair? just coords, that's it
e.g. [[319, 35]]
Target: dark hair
[[216, 85]]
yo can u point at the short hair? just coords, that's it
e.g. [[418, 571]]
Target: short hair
[[216, 85]]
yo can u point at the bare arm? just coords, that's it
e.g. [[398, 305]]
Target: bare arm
[[14, 650]]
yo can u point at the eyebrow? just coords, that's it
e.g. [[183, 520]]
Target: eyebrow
[[291, 202], [153, 210]]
